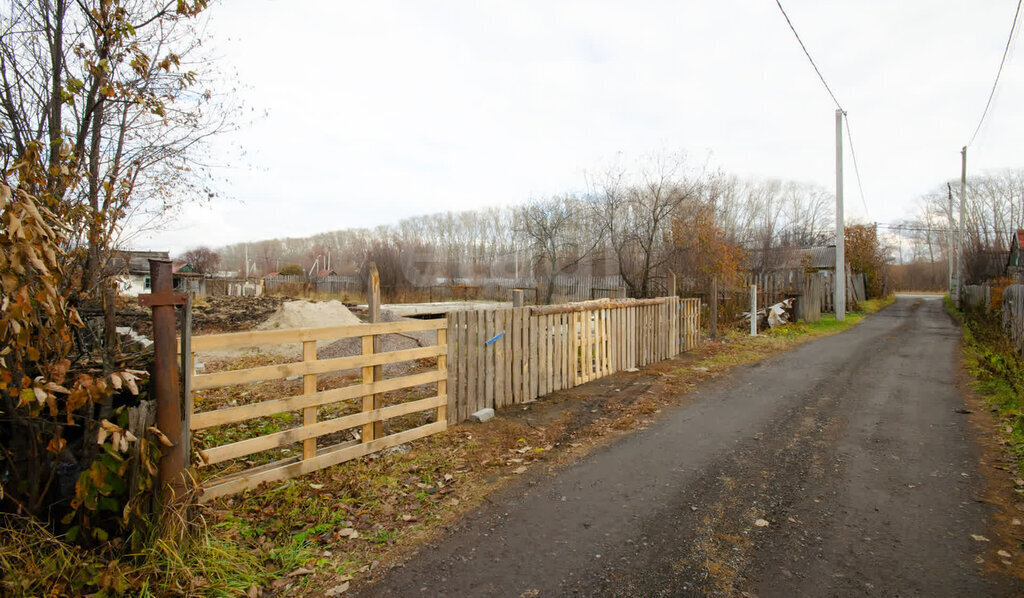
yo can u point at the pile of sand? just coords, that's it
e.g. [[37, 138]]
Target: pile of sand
[[294, 314], [307, 314]]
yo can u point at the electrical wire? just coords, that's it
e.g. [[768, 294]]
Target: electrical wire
[[856, 169], [808, 54], [1002, 62], [846, 118]]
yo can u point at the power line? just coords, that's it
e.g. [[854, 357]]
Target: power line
[[808, 54], [846, 117], [992, 93], [856, 169]]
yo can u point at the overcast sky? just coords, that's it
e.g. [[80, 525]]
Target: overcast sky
[[377, 111]]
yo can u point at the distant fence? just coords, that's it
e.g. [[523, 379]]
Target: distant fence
[[816, 286], [330, 285], [503, 357]]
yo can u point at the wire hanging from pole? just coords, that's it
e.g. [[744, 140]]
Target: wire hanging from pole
[[1002, 62], [808, 54]]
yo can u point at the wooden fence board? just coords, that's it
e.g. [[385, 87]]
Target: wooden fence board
[[489, 354], [209, 342]]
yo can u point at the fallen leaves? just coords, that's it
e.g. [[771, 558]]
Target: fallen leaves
[[519, 470], [337, 590], [979, 538], [761, 523]]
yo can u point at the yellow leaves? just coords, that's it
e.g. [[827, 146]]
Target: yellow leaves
[[164, 440], [56, 445], [119, 437]]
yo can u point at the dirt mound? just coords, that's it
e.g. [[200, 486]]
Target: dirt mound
[[225, 313], [388, 342], [307, 314]]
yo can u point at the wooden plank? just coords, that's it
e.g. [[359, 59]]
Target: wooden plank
[[580, 306], [209, 342], [472, 388], [552, 356], [576, 349], [466, 386], [501, 371], [442, 384], [309, 387], [517, 356], [557, 352], [534, 358], [306, 433], [527, 351], [507, 340], [230, 415], [489, 358], [326, 459], [453, 383], [304, 368], [542, 355], [367, 401], [481, 361]]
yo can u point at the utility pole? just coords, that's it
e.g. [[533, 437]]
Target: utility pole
[[840, 277], [960, 226], [951, 283]]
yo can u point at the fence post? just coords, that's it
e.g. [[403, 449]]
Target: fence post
[[517, 298], [753, 310], [373, 308], [713, 309], [165, 383]]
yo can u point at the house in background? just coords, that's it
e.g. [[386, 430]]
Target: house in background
[[1015, 263], [132, 269]]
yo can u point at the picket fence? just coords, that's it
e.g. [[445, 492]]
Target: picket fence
[[503, 357]]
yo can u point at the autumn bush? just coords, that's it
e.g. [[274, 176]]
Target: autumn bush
[[60, 463]]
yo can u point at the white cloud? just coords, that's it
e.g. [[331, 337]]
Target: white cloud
[[384, 110]]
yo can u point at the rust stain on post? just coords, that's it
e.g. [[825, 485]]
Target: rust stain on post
[[166, 383]]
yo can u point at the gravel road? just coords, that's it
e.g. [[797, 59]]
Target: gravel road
[[841, 468]]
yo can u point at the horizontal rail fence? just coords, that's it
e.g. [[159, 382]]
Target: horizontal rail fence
[[503, 357], [365, 395]]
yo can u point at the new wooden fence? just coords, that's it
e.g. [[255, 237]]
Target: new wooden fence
[[502, 357], [366, 393]]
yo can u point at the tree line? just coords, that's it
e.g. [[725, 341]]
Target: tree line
[[993, 212], [636, 223]]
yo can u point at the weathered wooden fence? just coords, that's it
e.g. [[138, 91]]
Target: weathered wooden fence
[[368, 390], [502, 357], [1013, 314]]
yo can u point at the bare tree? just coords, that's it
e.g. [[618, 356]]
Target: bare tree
[[552, 229], [202, 259], [102, 112]]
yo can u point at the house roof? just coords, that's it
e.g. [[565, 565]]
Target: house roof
[[134, 262], [822, 257], [179, 268]]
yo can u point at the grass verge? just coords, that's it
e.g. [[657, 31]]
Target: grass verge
[[998, 375]]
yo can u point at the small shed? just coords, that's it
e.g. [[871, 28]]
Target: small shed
[[1015, 262]]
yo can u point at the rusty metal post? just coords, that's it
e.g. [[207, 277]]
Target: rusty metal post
[[166, 383]]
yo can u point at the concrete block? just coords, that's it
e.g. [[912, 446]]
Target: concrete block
[[482, 415]]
